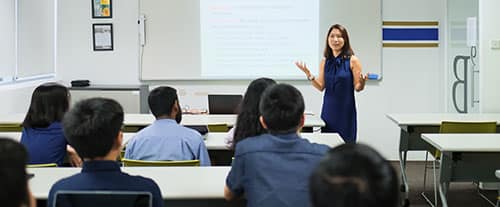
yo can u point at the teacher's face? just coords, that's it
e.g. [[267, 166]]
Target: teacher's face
[[335, 40]]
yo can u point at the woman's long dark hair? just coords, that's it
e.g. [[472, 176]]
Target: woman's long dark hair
[[346, 50], [48, 104], [247, 123]]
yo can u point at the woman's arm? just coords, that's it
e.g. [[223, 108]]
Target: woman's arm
[[317, 82], [358, 78]]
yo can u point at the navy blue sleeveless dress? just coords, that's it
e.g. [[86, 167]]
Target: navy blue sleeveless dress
[[339, 106]]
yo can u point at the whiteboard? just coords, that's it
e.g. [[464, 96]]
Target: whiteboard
[[172, 49]]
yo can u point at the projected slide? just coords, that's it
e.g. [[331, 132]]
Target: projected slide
[[258, 37]]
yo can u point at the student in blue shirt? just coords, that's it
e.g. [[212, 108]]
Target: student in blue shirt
[[273, 169], [354, 175], [14, 189], [166, 139], [42, 133], [93, 128]]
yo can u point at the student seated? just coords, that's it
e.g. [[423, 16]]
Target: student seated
[[166, 139], [42, 130], [93, 128], [247, 122], [272, 169], [354, 175], [14, 190]]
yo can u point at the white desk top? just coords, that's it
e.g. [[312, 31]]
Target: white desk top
[[217, 140], [436, 118], [174, 182], [464, 142], [187, 119]]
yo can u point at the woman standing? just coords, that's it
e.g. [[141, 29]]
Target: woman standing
[[339, 76]]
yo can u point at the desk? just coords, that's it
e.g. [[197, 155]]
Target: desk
[[174, 182], [219, 152], [413, 125], [465, 157], [217, 140], [134, 122]]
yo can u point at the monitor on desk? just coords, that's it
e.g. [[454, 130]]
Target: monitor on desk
[[223, 104], [103, 199]]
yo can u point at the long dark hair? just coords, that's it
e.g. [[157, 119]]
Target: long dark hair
[[247, 123], [48, 104], [346, 49]]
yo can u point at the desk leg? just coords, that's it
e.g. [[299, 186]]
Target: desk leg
[[403, 153], [445, 176], [404, 186]]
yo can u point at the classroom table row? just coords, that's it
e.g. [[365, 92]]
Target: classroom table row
[[413, 125], [134, 122], [217, 140]]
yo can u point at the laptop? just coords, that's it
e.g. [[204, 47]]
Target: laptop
[[103, 199], [223, 104]]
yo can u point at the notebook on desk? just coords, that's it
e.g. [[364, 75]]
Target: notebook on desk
[[103, 199], [223, 104]]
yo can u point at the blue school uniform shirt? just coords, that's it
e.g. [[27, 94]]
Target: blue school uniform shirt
[[106, 176], [165, 139], [273, 170], [45, 145]]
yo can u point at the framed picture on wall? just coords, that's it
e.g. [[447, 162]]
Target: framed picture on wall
[[102, 36], [102, 9]]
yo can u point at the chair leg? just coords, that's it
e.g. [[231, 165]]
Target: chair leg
[[435, 181], [425, 183], [486, 198]]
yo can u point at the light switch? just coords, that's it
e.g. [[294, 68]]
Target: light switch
[[495, 44]]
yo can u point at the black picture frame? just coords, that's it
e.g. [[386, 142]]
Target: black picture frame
[[102, 36], [102, 9]]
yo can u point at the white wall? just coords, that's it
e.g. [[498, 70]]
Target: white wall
[[7, 37], [489, 59], [412, 82], [76, 58]]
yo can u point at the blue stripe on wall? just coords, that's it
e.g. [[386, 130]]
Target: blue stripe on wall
[[410, 34]]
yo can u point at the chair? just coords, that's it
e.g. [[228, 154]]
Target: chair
[[42, 165], [10, 128], [455, 127], [218, 128], [146, 163]]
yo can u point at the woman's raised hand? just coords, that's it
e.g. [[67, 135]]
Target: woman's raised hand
[[302, 66]]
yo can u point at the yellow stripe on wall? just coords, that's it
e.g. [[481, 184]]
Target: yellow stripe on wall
[[410, 45], [408, 23]]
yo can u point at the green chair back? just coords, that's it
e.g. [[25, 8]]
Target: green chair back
[[466, 127], [42, 165], [145, 163], [218, 128], [10, 128]]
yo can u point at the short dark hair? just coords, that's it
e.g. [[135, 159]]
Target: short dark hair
[[48, 104], [282, 108], [13, 179], [92, 126], [247, 122], [354, 175], [161, 100]]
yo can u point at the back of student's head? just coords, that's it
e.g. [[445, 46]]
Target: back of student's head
[[13, 179], [161, 100], [282, 108], [48, 104], [354, 175], [92, 126], [247, 124]]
